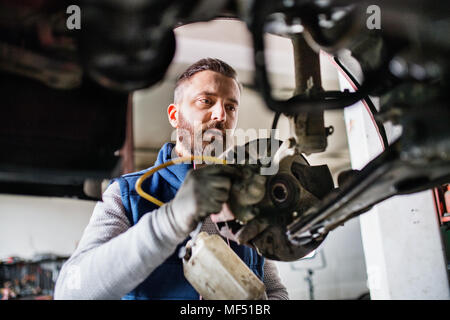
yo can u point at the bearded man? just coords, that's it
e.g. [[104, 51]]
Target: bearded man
[[129, 250]]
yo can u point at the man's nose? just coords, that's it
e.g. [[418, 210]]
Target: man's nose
[[218, 112]]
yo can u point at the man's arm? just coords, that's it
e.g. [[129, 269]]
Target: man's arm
[[274, 288], [112, 258]]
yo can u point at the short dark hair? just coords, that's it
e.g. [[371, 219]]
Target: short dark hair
[[211, 64]]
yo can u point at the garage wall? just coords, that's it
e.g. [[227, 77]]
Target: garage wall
[[31, 225], [338, 267]]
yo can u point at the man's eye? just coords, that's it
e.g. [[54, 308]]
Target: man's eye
[[231, 108], [205, 101]]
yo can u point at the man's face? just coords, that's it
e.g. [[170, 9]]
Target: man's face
[[208, 106]]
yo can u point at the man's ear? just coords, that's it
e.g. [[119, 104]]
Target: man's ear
[[172, 113]]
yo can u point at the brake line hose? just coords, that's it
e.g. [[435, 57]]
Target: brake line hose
[[143, 194]]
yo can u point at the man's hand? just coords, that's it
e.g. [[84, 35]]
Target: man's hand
[[224, 215], [203, 192]]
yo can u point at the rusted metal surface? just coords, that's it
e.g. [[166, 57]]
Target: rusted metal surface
[[308, 127]]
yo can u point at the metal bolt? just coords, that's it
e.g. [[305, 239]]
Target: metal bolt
[[398, 67], [288, 3], [329, 130]]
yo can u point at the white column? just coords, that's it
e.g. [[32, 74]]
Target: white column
[[401, 238]]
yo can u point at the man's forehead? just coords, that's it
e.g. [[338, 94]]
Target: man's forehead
[[213, 83]]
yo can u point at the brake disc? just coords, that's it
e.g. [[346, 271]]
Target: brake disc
[[276, 186]]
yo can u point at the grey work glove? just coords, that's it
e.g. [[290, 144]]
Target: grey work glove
[[202, 193]]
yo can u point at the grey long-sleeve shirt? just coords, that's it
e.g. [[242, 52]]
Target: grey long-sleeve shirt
[[112, 257]]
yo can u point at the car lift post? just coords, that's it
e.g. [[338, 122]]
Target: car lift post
[[402, 243]]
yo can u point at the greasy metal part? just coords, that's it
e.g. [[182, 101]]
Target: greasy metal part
[[419, 21], [60, 130], [36, 44], [128, 56], [303, 102], [307, 66], [263, 214], [136, 52], [304, 186], [55, 74], [310, 132], [333, 29], [308, 127], [417, 161], [273, 244], [247, 192], [251, 189]]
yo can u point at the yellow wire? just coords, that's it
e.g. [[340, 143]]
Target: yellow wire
[[159, 203]]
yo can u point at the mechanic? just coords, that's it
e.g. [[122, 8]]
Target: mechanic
[[130, 247]]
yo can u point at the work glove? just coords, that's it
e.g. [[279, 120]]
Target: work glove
[[203, 192]]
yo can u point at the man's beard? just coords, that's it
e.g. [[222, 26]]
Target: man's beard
[[208, 139]]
